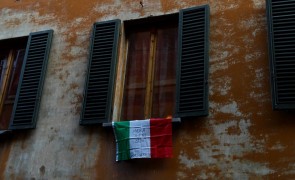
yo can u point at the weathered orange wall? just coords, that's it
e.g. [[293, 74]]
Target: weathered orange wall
[[242, 137]]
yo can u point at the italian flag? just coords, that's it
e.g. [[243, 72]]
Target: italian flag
[[150, 138]]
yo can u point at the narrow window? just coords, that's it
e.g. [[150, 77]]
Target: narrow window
[[11, 60], [151, 68]]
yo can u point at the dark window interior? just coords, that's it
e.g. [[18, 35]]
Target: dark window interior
[[12, 52], [149, 90]]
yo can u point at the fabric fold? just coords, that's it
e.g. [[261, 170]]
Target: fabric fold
[[150, 138]]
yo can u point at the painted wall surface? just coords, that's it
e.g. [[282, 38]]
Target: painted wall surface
[[242, 138]]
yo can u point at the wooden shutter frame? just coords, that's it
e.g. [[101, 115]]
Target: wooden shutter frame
[[32, 124], [276, 105], [204, 112], [270, 52], [111, 83]]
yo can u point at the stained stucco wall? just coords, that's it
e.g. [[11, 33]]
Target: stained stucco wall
[[242, 137]]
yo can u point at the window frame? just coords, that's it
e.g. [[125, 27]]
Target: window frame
[[7, 80], [149, 23]]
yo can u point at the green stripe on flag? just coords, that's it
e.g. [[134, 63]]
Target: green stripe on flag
[[121, 130]]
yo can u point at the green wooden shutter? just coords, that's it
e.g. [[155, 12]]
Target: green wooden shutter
[[100, 80], [192, 65], [27, 101], [281, 38]]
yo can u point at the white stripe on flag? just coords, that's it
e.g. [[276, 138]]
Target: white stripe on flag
[[140, 143]]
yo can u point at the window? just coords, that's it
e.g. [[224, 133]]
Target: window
[[166, 68], [22, 68], [150, 79], [281, 37], [11, 61]]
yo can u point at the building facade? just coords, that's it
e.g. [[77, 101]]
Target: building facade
[[242, 137]]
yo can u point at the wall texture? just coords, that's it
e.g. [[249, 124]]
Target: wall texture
[[242, 138]]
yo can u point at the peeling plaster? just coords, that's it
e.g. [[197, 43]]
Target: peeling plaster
[[220, 85], [258, 4], [220, 6], [278, 147], [123, 14], [258, 81], [290, 170], [253, 23], [231, 108], [237, 138], [253, 56], [226, 154], [28, 21]]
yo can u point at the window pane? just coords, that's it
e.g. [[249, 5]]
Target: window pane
[[3, 68], [165, 71], [136, 75], [17, 66]]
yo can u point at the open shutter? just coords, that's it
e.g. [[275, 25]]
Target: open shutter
[[100, 78], [27, 101], [192, 65], [281, 34]]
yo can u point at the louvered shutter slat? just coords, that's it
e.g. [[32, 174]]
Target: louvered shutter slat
[[192, 72], [101, 73], [26, 105], [281, 33]]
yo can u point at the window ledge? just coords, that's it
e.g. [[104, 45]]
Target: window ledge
[[4, 131], [174, 120]]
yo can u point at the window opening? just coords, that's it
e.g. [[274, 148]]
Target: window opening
[[149, 90], [12, 52]]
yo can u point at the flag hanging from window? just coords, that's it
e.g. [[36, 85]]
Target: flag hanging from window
[[150, 138]]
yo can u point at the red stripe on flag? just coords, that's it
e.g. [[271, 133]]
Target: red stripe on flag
[[161, 138]]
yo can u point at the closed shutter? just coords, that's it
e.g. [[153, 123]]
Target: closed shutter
[[101, 73], [27, 101], [192, 65], [281, 33]]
